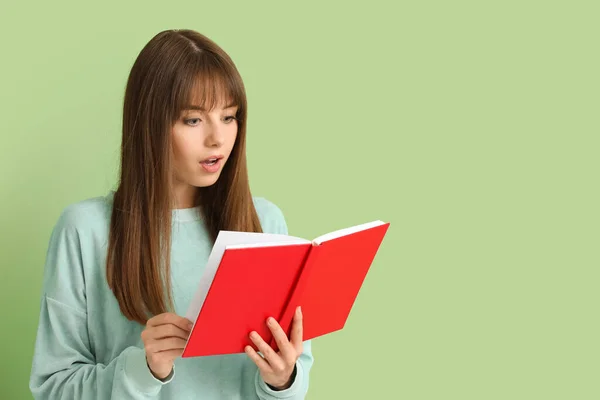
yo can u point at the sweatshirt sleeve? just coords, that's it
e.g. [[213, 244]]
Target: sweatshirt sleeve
[[64, 365], [297, 391]]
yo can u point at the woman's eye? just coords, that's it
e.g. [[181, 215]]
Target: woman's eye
[[196, 121], [189, 121]]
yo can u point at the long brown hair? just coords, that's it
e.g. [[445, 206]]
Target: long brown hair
[[175, 68]]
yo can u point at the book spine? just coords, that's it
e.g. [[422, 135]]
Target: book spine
[[297, 293]]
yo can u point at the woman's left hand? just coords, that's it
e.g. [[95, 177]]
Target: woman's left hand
[[276, 368]]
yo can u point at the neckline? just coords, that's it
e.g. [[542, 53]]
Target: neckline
[[177, 214], [186, 214]]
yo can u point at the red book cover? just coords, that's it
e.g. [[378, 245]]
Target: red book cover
[[330, 281], [251, 276]]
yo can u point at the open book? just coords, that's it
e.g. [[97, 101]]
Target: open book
[[252, 276]]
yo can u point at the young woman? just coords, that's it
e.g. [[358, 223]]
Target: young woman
[[122, 268]]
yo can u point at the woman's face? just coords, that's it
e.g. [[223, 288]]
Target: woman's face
[[202, 144]]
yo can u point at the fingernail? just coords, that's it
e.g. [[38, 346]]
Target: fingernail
[[190, 324], [299, 310], [270, 320]]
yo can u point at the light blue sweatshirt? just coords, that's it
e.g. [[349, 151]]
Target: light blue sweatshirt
[[86, 349]]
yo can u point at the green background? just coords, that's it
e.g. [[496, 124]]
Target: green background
[[471, 126]]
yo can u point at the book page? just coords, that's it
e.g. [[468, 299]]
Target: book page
[[231, 239], [346, 231]]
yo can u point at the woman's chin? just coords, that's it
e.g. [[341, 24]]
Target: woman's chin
[[205, 181]]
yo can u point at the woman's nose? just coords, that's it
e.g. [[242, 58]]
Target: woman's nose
[[214, 137]]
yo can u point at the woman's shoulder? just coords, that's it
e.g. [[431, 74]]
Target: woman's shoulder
[[271, 215], [86, 214]]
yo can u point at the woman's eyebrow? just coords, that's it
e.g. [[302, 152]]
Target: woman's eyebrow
[[195, 107]]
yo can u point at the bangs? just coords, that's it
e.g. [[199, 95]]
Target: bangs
[[209, 86]]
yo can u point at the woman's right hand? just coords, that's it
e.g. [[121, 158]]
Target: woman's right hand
[[164, 339]]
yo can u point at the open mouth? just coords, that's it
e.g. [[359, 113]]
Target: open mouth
[[212, 164], [210, 161]]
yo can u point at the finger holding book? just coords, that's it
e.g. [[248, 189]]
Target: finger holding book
[[164, 339], [277, 368]]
